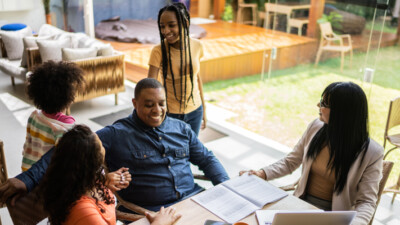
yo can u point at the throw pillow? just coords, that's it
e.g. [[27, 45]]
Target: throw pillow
[[51, 49], [13, 26], [13, 44], [105, 50], [30, 42], [70, 54]]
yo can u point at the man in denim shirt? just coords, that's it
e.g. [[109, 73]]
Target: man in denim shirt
[[157, 150]]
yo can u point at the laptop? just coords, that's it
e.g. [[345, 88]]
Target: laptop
[[281, 217]]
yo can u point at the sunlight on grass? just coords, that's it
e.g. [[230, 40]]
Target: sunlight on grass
[[281, 108]]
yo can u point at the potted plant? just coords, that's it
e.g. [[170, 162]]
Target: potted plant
[[46, 4]]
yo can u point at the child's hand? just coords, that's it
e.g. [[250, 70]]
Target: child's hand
[[163, 217], [119, 179]]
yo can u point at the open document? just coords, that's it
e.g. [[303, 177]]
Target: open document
[[239, 197]]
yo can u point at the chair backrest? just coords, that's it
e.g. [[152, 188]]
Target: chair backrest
[[393, 118], [387, 168], [28, 209], [277, 8], [3, 166], [326, 30]]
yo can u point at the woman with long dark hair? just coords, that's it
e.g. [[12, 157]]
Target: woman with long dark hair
[[74, 187], [178, 56], [342, 166]]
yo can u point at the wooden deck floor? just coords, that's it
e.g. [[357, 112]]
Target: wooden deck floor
[[235, 50]]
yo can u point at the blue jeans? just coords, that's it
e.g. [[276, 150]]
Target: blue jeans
[[193, 118]]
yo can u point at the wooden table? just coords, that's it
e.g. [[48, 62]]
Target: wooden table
[[283, 8], [194, 214]]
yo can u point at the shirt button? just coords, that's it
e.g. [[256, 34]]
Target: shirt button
[[160, 138], [169, 167], [176, 187], [163, 155], [184, 154]]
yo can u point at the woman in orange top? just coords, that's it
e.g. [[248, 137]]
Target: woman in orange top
[[74, 186]]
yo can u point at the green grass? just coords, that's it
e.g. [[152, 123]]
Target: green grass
[[387, 28], [281, 107]]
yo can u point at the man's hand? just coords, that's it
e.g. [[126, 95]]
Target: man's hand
[[119, 179], [258, 173], [13, 188], [163, 217]]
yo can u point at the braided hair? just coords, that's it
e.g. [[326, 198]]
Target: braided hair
[[183, 18]]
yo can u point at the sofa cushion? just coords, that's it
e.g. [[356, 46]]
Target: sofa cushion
[[13, 42], [11, 67], [70, 54], [13, 26], [105, 50], [74, 39], [30, 42], [51, 49], [46, 30]]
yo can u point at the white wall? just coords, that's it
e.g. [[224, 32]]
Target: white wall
[[34, 17]]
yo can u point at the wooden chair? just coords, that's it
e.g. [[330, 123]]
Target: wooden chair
[[3, 165], [393, 120], [272, 9], [28, 210], [3, 169], [327, 43], [386, 169], [243, 6]]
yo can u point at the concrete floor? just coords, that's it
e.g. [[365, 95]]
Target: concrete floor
[[236, 147]]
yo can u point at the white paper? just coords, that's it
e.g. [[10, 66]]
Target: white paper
[[225, 204], [239, 197], [254, 189]]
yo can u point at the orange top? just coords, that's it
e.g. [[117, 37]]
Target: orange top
[[86, 212]]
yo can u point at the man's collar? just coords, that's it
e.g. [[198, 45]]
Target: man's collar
[[144, 126]]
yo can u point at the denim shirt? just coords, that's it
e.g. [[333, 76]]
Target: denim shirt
[[158, 160]]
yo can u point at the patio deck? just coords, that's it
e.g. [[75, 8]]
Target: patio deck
[[235, 50]]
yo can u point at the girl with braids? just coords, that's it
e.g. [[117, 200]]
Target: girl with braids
[[177, 59], [74, 186], [341, 165]]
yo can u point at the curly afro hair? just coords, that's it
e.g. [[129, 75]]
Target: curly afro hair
[[52, 85]]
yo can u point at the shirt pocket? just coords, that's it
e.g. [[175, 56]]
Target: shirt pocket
[[144, 159], [181, 153]]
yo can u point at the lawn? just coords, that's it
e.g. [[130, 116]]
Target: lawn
[[280, 108]]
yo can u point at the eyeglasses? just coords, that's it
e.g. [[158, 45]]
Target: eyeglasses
[[322, 103]]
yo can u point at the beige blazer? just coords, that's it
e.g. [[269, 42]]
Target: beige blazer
[[360, 191]]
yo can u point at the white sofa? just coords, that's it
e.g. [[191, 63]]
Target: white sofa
[[104, 68]]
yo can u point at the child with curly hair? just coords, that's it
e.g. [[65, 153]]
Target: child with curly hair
[[51, 87]]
